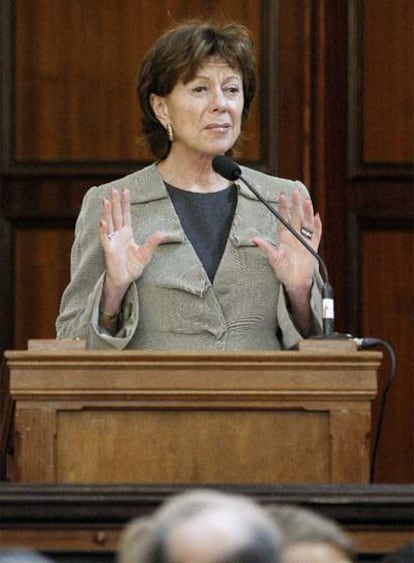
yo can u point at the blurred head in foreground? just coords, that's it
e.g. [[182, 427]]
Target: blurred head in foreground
[[22, 555], [202, 527], [308, 537]]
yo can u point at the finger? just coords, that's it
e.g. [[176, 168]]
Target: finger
[[154, 240], [316, 232], [296, 211], [267, 248], [308, 216], [107, 216], [283, 210], [103, 233], [147, 249], [317, 225], [126, 207], [116, 209]]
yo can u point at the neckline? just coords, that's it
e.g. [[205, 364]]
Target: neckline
[[199, 194]]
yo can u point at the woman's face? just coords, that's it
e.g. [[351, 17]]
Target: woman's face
[[206, 112]]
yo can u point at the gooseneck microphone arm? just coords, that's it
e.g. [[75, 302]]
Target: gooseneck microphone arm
[[232, 171]]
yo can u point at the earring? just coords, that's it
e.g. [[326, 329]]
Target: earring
[[170, 132]]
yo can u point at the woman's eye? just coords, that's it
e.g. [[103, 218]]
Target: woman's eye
[[232, 91], [199, 89]]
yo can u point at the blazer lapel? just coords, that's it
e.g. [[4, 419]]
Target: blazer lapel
[[154, 211], [252, 219]]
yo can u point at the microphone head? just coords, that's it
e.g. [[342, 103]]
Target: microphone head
[[226, 167]]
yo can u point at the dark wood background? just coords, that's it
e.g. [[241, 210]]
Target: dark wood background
[[335, 109]]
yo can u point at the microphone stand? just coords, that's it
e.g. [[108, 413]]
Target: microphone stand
[[327, 290]]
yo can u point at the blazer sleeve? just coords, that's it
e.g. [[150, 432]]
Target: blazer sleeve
[[79, 308], [290, 333]]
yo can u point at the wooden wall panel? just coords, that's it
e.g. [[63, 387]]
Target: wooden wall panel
[[41, 267], [79, 69], [387, 299], [388, 81], [381, 89], [294, 109], [79, 72], [359, 198], [380, 200]]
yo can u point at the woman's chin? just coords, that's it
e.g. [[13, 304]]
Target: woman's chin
[[220, 148]]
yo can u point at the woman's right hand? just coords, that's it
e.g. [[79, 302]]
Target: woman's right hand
[[125, 260]]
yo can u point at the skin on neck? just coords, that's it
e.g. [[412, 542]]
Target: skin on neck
[[195, 175]]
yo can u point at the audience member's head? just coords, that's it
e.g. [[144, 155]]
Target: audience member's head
[[404, 554], [308, 537], [202, 527], [21, 555]]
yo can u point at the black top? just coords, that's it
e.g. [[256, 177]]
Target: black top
[[206, 219]]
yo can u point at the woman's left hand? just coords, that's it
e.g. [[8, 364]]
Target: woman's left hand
[[291, 261]]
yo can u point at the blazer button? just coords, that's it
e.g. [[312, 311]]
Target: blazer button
[[223, 290]]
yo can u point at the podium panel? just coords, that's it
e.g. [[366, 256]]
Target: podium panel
[[197, 446], [87, 416]]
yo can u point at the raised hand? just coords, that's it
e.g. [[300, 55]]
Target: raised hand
[[125, 260], [292, 263]]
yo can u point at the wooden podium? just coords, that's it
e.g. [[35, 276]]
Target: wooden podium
[[84, 416]]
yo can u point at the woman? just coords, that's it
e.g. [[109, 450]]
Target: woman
[[184, 258]]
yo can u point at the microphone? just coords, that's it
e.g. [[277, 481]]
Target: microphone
[[232, 171]]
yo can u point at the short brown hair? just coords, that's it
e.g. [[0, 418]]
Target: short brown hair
[[178, 54]]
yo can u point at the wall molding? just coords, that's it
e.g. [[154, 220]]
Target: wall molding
[[357, 167]]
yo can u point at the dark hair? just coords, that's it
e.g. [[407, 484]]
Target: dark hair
[[178, 54]]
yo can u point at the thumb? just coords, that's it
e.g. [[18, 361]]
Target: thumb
[[150, 245]]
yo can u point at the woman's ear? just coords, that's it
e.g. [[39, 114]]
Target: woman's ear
[[160, 109]]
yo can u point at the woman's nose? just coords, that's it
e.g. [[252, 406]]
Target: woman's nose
[[219, 100]]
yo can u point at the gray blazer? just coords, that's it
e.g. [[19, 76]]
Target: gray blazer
[[174, 306]]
